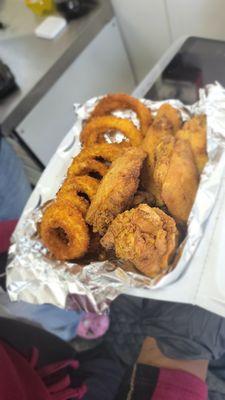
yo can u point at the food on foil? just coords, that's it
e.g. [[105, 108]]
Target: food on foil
[[194, 131], [170, 173], [122, 101], [129, 198], [64, 231], [92, 160], [116, 190], [94, 131], [147, 237], [79, 190], [167, 120], [169, 116], [76, 192]]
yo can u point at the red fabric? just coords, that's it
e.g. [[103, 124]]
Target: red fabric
[[6, 230], [178, 385], [18, 381], [22, 380]]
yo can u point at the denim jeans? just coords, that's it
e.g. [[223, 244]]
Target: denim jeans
[[14, 186]]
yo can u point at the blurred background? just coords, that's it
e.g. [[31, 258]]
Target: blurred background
[[149, 27]]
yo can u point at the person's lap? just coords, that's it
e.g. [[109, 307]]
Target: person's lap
[[182, 331]]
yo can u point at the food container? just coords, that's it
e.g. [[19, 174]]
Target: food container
[[200, 272]]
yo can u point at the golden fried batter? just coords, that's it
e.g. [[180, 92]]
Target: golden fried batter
[[145, 236], [166, 111], [116, 190], [105, 151], [94, 159], [64, 231], [94, 131], [181, 182], [122, 101], [87, 166], [194, 131], [163, 154], [170, 173], [78, 190], [166, 123]]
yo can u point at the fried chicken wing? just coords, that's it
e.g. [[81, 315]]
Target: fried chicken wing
[[116, 190], [163, 154], [145, 236], [166, 123], [170, 173], [181, 182], [194, 131], [171, 114]]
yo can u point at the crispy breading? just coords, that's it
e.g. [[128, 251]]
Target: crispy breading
[[181, 182], [145, 236], [194, 131], [122, 101], [75, 187], [171, 114], [166, 123], [92, 159], [116, 190], [64, 231], [95, 129], [163, 154]]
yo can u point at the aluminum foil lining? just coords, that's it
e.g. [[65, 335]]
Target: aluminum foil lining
[[33, 277]]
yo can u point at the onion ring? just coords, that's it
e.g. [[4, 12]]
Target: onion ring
[[87, 160], [87, 166], [76, 201], [64, 231], [93, 132], [103, 151], [122, 101], [74, 189]]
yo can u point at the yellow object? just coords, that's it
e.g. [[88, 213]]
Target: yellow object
[[40, 7]]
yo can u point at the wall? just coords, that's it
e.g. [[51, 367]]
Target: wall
[[150, 26], [144, 26]]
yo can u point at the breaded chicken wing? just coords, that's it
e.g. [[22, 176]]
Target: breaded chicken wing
[[116, 190], [171, 114], [162, 157], [145, 236], [180, 185], [166, 123], [194, 131]]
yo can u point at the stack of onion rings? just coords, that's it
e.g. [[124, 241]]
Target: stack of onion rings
[[63, 229], [64, 219]]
